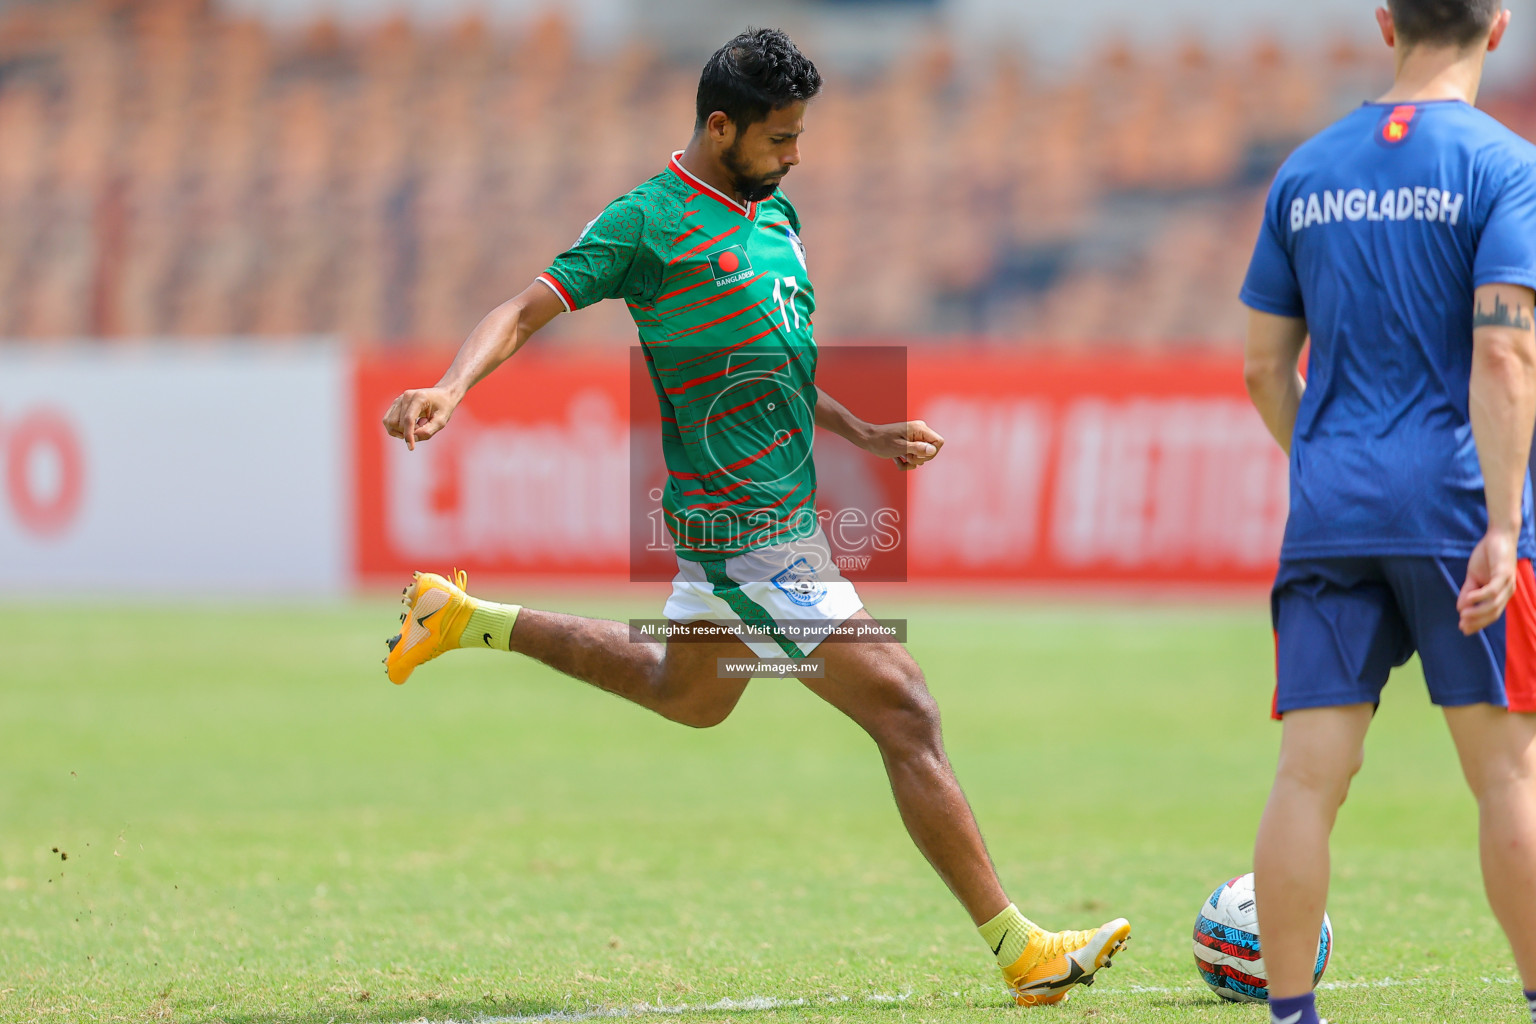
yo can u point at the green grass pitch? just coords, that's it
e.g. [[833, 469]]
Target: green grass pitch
[[259, 828]]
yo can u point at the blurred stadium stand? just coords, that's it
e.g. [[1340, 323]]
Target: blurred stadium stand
[[170, 169]]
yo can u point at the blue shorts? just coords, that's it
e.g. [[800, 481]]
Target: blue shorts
[[1342, 624]]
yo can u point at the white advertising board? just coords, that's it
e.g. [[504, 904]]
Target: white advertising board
[[191, 469]]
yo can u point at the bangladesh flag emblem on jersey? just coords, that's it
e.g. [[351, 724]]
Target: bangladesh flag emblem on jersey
[[730, 264], [1398, 124]]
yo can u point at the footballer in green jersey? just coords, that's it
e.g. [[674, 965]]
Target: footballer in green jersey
[[707, 255], [720, 294]]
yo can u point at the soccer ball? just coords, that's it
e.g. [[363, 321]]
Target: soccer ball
[[1227, 944]]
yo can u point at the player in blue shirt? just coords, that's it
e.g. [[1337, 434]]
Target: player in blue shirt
[[1402, 240]]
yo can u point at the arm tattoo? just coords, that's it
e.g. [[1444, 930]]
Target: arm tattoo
[[1501, 316]]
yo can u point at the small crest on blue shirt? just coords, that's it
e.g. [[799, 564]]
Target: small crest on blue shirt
[[1399, 123]]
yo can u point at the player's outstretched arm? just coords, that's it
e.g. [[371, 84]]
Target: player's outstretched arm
[[1503, 409], [1271, 370], [421, 412], [910, 444]]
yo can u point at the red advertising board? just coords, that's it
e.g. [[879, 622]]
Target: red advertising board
[[1094, 470], [1087, 470], [530, 477]]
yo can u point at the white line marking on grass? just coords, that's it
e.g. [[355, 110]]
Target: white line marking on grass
[[1327, 986], [754, 1003], [640, 1009], [1165, 990]]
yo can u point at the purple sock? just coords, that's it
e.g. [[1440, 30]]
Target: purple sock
[[1295, 1010], [1530, 998]]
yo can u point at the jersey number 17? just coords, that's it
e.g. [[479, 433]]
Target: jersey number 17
[[784, 291]]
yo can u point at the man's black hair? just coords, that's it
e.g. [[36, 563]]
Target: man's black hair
[[1443, 22], [758, 71]]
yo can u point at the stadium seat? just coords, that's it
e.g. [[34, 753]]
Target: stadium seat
[[173, 168]]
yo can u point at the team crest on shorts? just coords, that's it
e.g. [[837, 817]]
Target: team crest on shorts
[[799, 583]]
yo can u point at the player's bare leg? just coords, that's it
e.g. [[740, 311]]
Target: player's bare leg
[[1498, 757], [1321, 749], [679, 681], [881, 687]]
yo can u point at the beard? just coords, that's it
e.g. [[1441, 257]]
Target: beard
[[752, 188]]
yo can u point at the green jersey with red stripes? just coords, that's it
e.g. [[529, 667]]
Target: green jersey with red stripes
[[719, 292]]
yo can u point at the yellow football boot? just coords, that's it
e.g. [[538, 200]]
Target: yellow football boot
[[1054, 962], [436, 612]]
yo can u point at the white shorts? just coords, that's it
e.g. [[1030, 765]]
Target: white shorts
[[792, 591]]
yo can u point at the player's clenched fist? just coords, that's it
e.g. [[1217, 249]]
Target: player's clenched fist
[[418, 414], [911, 444]]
